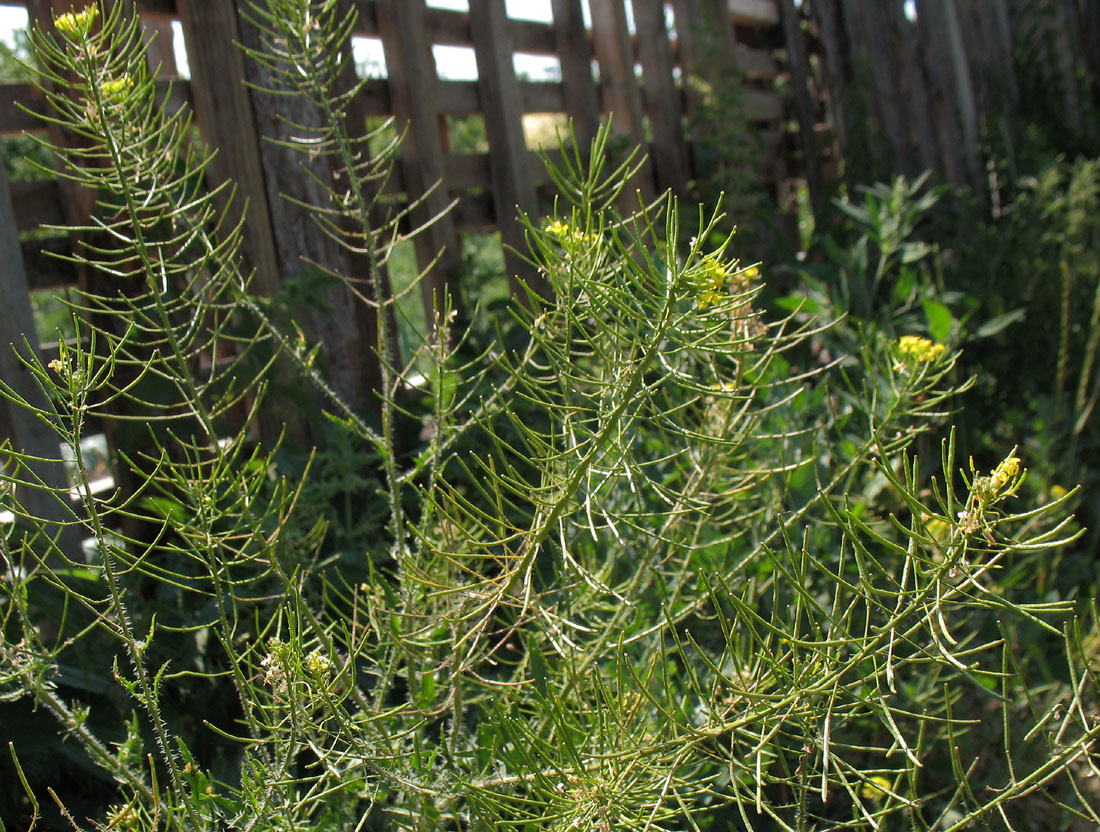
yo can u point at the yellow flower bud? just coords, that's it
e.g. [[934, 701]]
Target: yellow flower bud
[[77, 25], [115, 89]]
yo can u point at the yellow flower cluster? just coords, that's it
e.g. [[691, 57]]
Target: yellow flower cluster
[[115, 89], [1004, 473], [77, 24], [712, 281], [916, 350], [714, 275], [564, 231]]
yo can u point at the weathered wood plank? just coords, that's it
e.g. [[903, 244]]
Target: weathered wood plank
[[662, 98], [223, 111], [292, 178], [413, 87], [762, 105], [512, 186], [754, 12], [160, 55], [15, 100], [465, 97], [804, 108], [40, 203], [224, 114], [28, 434], [21, 107], [43, 266], [619, 90], [575, 53]]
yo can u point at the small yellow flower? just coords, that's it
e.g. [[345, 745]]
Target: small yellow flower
[[911, 351], [77, 25], [56, 365], [876, 788], [1004, 473], [558, 228], [567, 233], [711, 281], [918, 350]]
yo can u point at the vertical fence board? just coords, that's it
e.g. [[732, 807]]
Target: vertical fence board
[[26, 432], [799, 66], [223, 110], [964, 88], [303, 249], [621, 97], [413, 84], [920, 147], [575, 54], [833, 69], [160, 54], [939, 70], [502, 105], [663, 101], [618, 84]]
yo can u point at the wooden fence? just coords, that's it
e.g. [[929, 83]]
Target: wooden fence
[[948, 85], [902, 85], [605, 66], [635, 77]]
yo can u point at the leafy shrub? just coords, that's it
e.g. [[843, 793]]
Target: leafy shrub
[[653, 564]]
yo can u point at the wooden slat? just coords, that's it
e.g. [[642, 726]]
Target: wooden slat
[[618, 86], [470, 171], [474, 213], [223, 110], [15, 100], [26, 431], [543, 97], [464, 171], [662, 98], [756, 64], [799, 66], [21, 107], [532, 37], [40, 203], [45, 269], [448, 27], [762, 105], [413, 93], [619, 90], [458, 98], [293, 179], [513, 189], [754, 12], [160, 55], [575, 53]]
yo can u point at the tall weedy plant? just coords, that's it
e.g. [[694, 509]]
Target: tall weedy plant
[[653, 566]]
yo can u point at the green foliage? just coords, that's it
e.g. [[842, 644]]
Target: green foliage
[[653, 562]]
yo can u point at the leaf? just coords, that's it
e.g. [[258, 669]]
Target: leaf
[[995, 325], [911, 252], [799, 303], [940, 320]]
